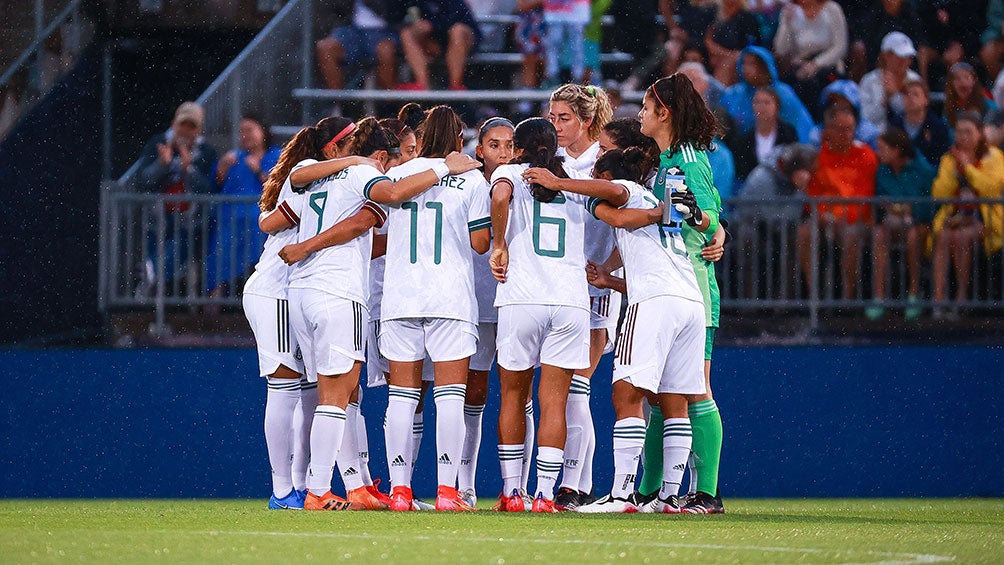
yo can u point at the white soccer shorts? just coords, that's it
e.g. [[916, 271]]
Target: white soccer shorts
[[331, 331], [531, 335], [604, 312], [269, 319], [377, 366], [661, 346], [485, 355], [443, 339]]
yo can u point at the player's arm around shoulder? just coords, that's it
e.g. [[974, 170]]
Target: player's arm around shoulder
[[634, 213]]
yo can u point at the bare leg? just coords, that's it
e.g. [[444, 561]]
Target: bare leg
[[461, 40], [330, 55], [386, 55], [515, 390], [880, 260], [412, 39]]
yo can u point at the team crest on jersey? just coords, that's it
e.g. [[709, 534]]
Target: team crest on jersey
[[297, 354]]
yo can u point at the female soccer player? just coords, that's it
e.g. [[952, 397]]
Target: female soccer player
[[429, 304], [658, 351], [543, 305], [579, 114]]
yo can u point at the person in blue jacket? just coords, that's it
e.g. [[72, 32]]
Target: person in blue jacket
[[757, 68]]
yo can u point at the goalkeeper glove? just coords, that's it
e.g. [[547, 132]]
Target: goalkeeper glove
[[686, 204]]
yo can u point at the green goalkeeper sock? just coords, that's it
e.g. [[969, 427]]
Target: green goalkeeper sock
[[706, 421], [651, 476]]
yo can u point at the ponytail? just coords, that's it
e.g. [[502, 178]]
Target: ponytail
[[308, 143], [538, 141]]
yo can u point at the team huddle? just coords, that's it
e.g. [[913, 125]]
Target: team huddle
[[389, 246]]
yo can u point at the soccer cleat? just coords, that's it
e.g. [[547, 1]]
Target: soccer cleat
[[586, 498], [419, 505], [448, 500], [362, 499], [291, 501], [527, 500], [469, 497], [669, 505], [704, 503], [647, 504], [401, 499], [375, 491], [511, 503], [543, 505], [566, 499], [609, 504], [326, 501]]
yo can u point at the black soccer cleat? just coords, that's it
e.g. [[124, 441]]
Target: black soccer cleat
[[567, 499], [704, 503]]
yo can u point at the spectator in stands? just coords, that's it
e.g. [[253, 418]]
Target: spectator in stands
[[365, 41], [993, 128], [964, 93], [845, 168], [687, 22], [882, 19], [177, 162], [756, 146], [593, 42], [953, 34], [756, 69], [971, 169], [992, 39], [430, 27], [845, 94], [237, 243], [811, 44], [530, 39], [768, 15], [706, 85], [784, 176], [902, 173], [881, 89], [565, 27], [928, 131], [733, 29]]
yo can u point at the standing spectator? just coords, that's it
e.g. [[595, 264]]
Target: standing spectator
[[756, 146], [992, 39], [237, 242], [971, 169], [881, 19], [565, 22], [811, 44], [928, 131], [881, 89], [902, 173], [176, 162], [429, 28], [734, 29], [365, 41], [953, 33], [845, 169], [756, 69], [964, 93]]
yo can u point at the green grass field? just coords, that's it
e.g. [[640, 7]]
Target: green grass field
[[753, 531]]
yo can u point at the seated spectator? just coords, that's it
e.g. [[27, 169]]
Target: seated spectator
[[687, 22], [236, 243], [768, 15], [971, 169], [367, 40], [756, 69], [811, 44], [529, 37], [928, 131], [706, 85], [881, 89], [177, 162], [953, 34], [733, 29], [902, 173], [756, 146], [845, 169], [992, 38], [882, 19], [724, 166], [963, 93], [430, 28], [845, 94], [993, 128]]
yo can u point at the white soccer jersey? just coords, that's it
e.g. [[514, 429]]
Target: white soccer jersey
[[484, 288], [377, 268], [271, 274], [340, 270], [598, 241], [655, 260], [546, 261], [429, 272]]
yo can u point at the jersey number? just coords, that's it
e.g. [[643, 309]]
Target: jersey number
[[317, 203], [670, 242], [437, 254], [540, 220]]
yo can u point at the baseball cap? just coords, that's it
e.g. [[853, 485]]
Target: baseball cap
[[190, 112], [898, 43]]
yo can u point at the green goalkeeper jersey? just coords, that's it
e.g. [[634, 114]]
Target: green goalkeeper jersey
[[700, 180]]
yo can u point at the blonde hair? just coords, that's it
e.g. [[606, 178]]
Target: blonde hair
[[588, 103]]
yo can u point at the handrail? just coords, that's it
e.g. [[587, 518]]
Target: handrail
[[31, 49]]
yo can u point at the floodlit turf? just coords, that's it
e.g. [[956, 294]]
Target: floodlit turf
[[753, 531]]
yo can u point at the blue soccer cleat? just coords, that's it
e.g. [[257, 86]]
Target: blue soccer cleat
[[292, 501]]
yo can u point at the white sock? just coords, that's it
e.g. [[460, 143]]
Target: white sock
[[302, 420], [472, 445], [629, 440], [401, 405], [280, 405], [417, 430], [677, 438], [528, 442], [579, 421], [363, 443], [511, 461], [325, 440], [348, 455], [586, 464], [692, 469], [450, 431], [548, 466]]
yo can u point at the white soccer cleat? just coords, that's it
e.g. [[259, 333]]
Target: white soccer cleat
[[609, 504], [469, 497]]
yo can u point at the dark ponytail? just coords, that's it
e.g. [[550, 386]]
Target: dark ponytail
[[440, 132], [623, 165], [626, 132], [537, 141], [308, 143]]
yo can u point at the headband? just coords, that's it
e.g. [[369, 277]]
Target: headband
[[656, 93], [494, 122], [339, 136]]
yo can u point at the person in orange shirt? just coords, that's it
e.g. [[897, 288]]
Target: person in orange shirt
[[845, 168]]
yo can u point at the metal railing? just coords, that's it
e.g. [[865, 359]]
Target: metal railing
[[173, 251]]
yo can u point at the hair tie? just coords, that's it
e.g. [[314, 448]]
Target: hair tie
[[339, 136], [591, 90]]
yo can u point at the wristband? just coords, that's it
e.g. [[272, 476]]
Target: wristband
[[441, 169]]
